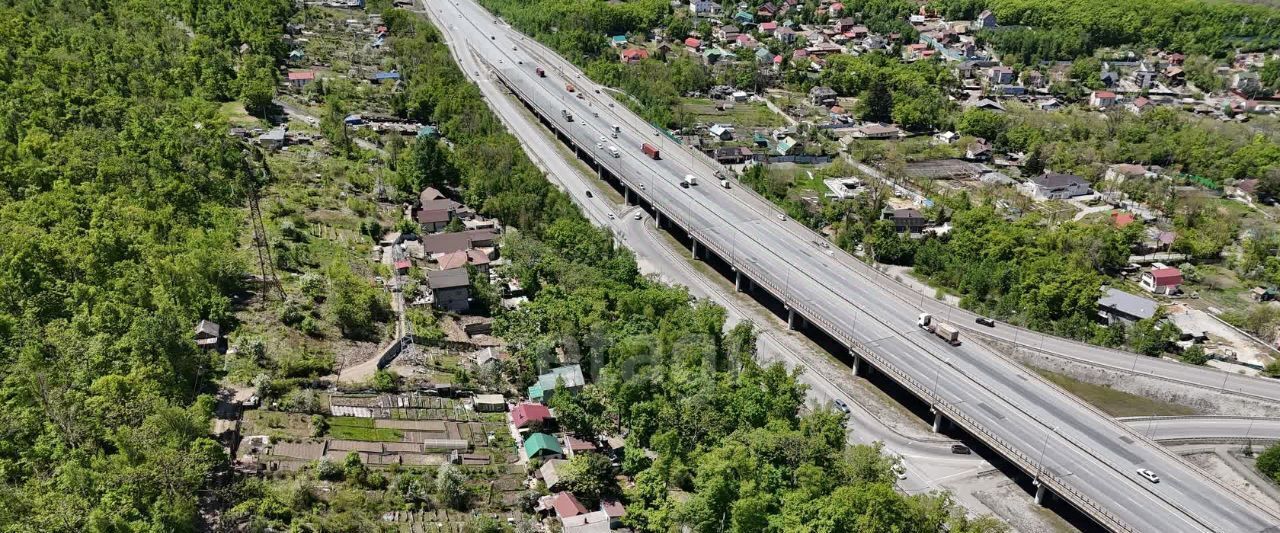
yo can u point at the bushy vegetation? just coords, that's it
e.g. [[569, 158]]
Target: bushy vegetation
[[119, 195], [913, 95], [1067, 29]]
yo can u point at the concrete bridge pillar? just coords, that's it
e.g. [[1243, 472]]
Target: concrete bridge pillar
[[938, 421], [693, 251], [657, 218], [857, 363], [791, 318], [1041, 493], [737, 280], [626, 195]]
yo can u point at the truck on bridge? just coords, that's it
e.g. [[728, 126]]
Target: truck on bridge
[[568, 117], [541, 73], [649, 150], [944, 331]]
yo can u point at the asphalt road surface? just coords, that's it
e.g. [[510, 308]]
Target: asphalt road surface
[[1067, 441]]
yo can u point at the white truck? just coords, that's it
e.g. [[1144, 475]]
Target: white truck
[[724, 183], [691, 179], [944, 331], [613, 151]]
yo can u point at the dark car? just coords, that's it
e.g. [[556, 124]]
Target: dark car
[[841, 406], [986, 321], [589, 195], [960, 449]]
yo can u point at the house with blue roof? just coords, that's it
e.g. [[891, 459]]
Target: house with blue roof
[[618, 40], [381, 77], [744, 18]]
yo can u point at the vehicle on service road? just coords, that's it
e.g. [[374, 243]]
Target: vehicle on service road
[[960, 449], [843, 407], [541, 73], [1148, 475], [569, 87], [986, 321], [568, 117], [639, 216], [649, 150], [944, 331], [589, 195], [724, 183]]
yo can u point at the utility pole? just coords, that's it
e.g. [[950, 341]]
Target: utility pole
[[266, 268]]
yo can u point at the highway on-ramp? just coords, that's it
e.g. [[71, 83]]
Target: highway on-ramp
[[1083, 455]]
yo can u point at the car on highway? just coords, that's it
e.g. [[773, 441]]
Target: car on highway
[[782, 216], [1148, 475], [639, 216], [960, 449], [603, 139], [612, 216], [600, 146], [513, 48], [899, 471], [985, 321], [843, 407], [589, 195]]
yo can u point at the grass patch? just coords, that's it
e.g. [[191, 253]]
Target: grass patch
[[1114, 402], [352, 428], [741, 114]]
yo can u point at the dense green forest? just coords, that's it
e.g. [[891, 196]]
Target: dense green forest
[[1067, 29], [119, 206]]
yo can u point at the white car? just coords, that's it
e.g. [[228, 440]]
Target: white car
[[1148, 475], [600, 146], [603, 139], [782, 216], [612, 216], [639, 216], [899, 471]]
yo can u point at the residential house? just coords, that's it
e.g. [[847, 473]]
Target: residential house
[[785, 146], [1102, 99], [300, 78], [723, 132], [877, 131], [703, 8], [693, 45], [732, 155], [908, 220], [744, 18], [728, 32], [767, 28], [464, 258], [1121, 219], [544, 446], [986, 20], [487, 357], [1109, 78], [1052, 185], [274, 139], [767, 11], [745, 40], [1174, 76], [633, 55], [450, 289], [618, 41], [570, 376], [1033, 79], [593, 522], [1244, 190], [785, 34], [1122, 172], [526, 414], [978, 150], [576, 445], [489, 403], [1161, 279], [1247, 82], [385, 77], [989, 105], [1139, 105], [857, 32], [209, 335], [436, 246], [1051, 104], [553, 472], [823, 96], [1176, 59], [843, 25], [1145, 75], [433, 220], [1000, 75], [1118, 307]]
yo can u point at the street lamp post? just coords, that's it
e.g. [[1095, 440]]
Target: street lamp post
[[1043, 445]]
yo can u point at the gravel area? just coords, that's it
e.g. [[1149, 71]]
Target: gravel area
[[1009, 502], [1225, 468]]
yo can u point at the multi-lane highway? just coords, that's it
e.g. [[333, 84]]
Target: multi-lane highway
[[1078, 452]]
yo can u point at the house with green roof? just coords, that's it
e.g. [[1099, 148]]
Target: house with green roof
[[744, 18], [785, 145], [618, 40], [570, 377], [542, 445]]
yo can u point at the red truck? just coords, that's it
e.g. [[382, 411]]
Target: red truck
[[649, 150], [541, 73], [568, 87]]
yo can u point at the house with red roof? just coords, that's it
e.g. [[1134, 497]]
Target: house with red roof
[[566, 505], [529, 413], [634, 55], [693, 45], [1120, 219], [768, 28], [1100, 99], [300, 78], [1161, 279]]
